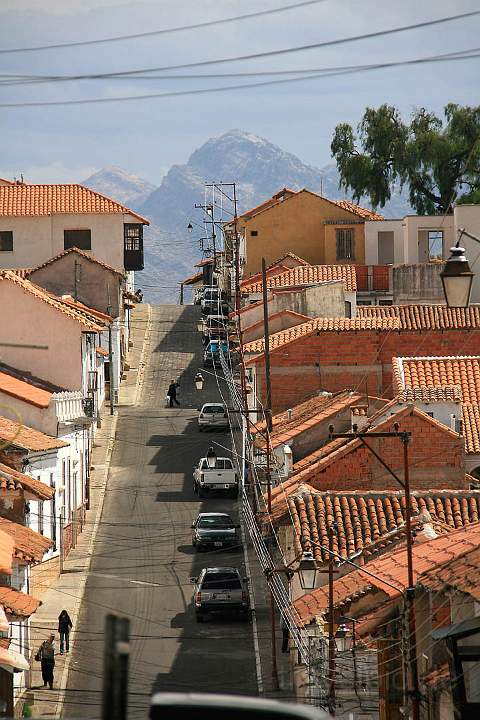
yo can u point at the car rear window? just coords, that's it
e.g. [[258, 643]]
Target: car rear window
[[212, 409], [221, 464], [221, 581]]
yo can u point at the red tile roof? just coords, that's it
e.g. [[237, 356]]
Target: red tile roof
[[425, 317], [437, 676], [429, 556], [24, 391], [275, 268], [87, 312], [322, 325], [454, 379], [357, 210], [17, 603], [52, 300], [308, 414], [27, 438], [36, 200], [29, 546], [281, 313], [101, 351], [81, 253], [368, 521], [205, 261], [305, 275], [193, 279], [6, 553], [11, 479], [460, 574]]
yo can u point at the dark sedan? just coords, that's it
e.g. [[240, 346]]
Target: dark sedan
[[214, 530]]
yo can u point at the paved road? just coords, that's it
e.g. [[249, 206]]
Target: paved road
[[143, 556]]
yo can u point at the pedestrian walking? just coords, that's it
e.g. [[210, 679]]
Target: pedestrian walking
[[46, 655], [64, 625], [172, 392]]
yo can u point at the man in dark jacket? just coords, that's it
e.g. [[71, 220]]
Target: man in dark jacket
[[172, 393], [46, 655]]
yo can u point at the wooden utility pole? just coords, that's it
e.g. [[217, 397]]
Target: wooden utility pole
[[266, 347], [331, 625]]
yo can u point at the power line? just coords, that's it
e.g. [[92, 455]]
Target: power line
[[163, 31], [226, 88]]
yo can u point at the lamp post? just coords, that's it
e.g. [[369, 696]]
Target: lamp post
[[457, 276]]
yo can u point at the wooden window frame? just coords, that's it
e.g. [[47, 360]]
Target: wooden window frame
[[6, 236], [67, 245], [345, 243]]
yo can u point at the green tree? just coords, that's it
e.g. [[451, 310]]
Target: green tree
[[438, 161]]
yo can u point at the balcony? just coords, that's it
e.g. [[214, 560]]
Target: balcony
[[69, 407], [373, 278], [133, 246]]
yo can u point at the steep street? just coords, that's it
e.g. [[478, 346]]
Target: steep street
[[143, 557]]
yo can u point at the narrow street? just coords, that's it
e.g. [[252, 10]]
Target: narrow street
[[143, 557]]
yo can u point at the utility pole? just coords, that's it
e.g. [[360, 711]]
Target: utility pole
[[75, 290], [413, 688], [181, 293], [266, 346], [110, 355], [331, 625], [115, 675]]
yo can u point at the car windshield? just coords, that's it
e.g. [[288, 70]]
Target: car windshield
[[215, 522], [221, 581]]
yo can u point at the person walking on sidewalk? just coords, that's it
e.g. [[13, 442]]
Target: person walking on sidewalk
[[172, 393], [46, 655], [64, 625]]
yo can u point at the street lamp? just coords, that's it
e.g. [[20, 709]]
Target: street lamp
[[211, 457], [307, 570], [457, 278], [199, 381], [343, 638]]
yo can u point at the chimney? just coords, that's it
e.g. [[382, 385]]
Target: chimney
[[359, 416]]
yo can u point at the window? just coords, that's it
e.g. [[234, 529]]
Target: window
[[364, 302], [385, 302], [345, 244], [348, 309], [435, 244], [254, 233], [133, 236], [6, 240], [82, 239]]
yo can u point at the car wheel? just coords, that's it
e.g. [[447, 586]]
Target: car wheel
[[199, 618]]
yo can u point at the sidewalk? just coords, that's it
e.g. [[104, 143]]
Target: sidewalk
[[67, 591]]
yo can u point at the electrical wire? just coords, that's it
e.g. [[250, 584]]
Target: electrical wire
[[163, 31]]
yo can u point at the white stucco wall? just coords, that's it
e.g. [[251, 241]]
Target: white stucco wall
[[37, 239], [372, 228]]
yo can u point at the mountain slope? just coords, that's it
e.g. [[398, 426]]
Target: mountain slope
[[257, 166]]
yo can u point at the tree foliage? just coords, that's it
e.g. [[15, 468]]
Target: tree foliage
[[439, 161]]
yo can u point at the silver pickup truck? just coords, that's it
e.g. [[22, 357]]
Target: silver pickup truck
[[223, 477]]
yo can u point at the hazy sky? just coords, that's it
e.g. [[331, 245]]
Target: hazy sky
[[147, 136]]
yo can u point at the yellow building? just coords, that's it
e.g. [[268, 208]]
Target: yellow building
[[323, 232]]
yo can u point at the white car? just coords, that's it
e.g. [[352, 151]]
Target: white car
[[213, 416]]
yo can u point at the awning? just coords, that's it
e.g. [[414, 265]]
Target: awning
[[4, 625], [13, 661]]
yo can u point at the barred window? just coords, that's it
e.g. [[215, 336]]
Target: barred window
[[345, 244]]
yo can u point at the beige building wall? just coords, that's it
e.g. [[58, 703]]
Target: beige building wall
[[37, 239], [297, 224], [28, 321]]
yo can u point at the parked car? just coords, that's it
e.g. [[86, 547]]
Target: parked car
[[221, 589], [222, 477], [213, 416], [215, 327], [214, 530], [211, 356]]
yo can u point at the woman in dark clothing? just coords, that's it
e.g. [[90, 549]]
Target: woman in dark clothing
[[64, 625], [172, 393], [46, 655]]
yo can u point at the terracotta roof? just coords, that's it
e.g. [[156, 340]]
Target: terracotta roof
[[281, 313], [101, 351], [36, 200], [425, 317], [367, 521], [437, 676], [205, 261], [357, 210], [81, 253], [52, 300], [25, 437], [193, 279], [17, 603], [21, 272], [11, 479], [453, 378], [392, 567], [87, 312], [6, 553], [460, 574], [322, 325], [308, 414], [30, 546], [275, 268], [306, 275], [24, 391], [266, 204]]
